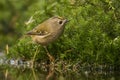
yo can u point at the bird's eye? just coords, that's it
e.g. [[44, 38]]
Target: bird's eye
[[60, 22]]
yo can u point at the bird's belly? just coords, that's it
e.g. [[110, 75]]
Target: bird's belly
[[45, 40]]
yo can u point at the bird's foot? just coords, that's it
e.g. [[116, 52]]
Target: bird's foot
[[51, 58]]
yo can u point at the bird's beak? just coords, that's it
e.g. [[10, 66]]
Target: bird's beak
[[65, 21]]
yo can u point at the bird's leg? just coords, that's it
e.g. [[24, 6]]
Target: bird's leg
[[51, 58]]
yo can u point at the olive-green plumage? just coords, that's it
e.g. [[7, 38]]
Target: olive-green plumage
[[48, 31]]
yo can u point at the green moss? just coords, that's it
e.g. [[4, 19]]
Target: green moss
[[91, 36]]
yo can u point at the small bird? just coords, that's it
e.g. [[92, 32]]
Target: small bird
[[48, 31]]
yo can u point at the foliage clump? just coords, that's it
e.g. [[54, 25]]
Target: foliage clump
[[91, 36]]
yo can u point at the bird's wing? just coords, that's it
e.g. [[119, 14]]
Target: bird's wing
[[39, 33], [40, 30]]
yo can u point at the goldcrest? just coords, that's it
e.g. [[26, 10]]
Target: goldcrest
[[48, 31]]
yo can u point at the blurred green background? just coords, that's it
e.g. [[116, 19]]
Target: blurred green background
[[91, 36]]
